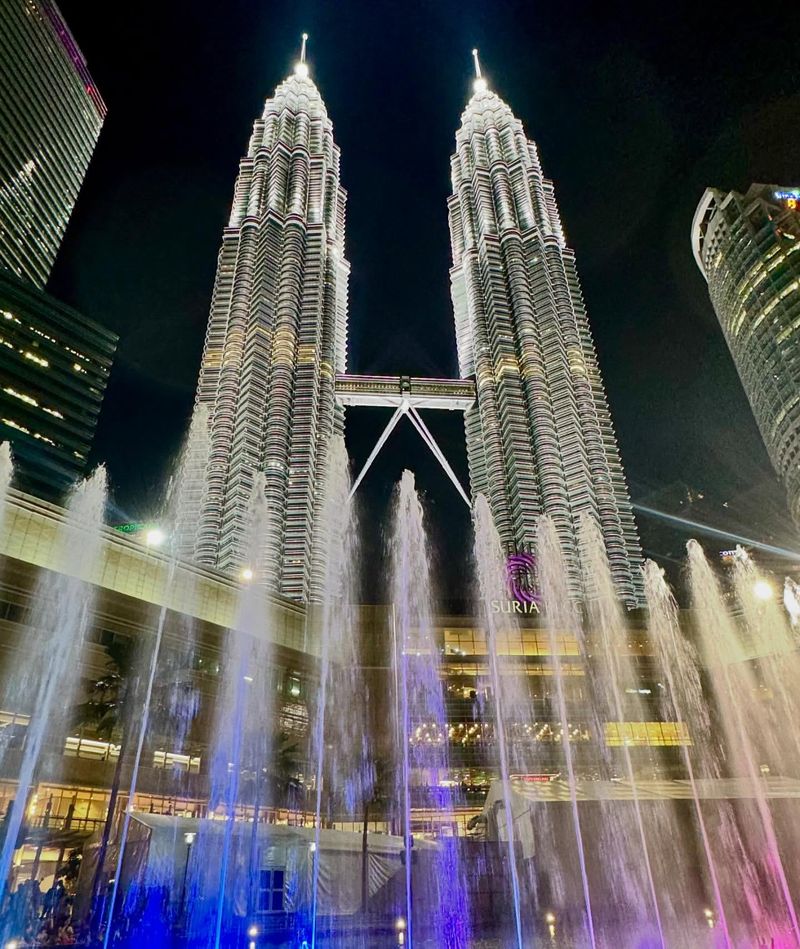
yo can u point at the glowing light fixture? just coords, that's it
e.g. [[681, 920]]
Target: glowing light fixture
[[155, 537], [762, 590], [247, 574]]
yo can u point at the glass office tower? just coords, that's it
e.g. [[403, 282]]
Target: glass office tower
[[50, 118], [747, 247], [54, 367]]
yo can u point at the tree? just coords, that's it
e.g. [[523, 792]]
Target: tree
[[106, 713], [380, 793]]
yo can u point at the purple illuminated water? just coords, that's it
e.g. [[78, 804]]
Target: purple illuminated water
[[439, 904], [508, 693], [343, 771]]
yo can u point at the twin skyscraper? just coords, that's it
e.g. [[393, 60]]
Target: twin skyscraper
[[538, 429]]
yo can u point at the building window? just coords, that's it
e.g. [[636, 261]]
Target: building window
[[270, 891]]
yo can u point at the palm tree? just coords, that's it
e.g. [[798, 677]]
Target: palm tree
[[378, 796], [106, 713]]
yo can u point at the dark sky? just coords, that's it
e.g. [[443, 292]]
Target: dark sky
[[636, 108]]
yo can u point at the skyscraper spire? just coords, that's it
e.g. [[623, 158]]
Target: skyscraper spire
[[539, 438], [477, 64], [301, 66], [480, 83]]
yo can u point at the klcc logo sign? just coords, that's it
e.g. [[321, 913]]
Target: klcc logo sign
[[524, 598]]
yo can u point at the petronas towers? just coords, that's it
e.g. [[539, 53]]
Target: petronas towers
[[539, 433], [276, 337], [540, 438]]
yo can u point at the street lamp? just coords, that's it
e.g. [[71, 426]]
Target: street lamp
[[762, 590], [188, 839], [155, 537]]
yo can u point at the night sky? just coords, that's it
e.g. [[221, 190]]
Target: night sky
[[636, 108]]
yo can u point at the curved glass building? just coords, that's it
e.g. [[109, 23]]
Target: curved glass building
[[747, 246], [50, 118], [540, 438], [276, 338]]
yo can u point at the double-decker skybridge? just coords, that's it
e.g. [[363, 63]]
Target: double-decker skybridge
[[407, 395]]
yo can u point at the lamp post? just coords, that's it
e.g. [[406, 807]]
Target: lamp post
[[188, 838]]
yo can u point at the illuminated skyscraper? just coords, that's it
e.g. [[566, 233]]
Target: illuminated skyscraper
[[540, 438], [276, 338], [50, 118], [54, 368], [747, 246]]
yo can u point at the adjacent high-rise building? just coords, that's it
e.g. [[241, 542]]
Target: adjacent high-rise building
[[54, 366], [276, 338], [540, 437], [747, 247], [50, 118], [54, 362]]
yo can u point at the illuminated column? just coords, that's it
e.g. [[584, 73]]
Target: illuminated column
[[747, 246], [540, 438], [276, 337]]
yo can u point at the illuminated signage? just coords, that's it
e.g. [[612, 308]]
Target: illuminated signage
[[524, 597], [791, 198], [514, 606], [521, 579], [132, 528]]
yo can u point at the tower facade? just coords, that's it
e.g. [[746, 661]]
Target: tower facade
[[50, 118], [276, 338], [747, 247], [539, 438]]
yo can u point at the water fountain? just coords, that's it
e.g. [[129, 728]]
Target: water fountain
[[593, 837], [222, 866], [340, 755], [737, 749], [40, 681], [684, 702], [560, 612], [613, 679], [435, 901]]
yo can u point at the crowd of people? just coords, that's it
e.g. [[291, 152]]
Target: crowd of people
[[32, 917]]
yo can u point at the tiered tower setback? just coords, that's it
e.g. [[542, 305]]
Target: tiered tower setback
[[540, 438], [276, 338]]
